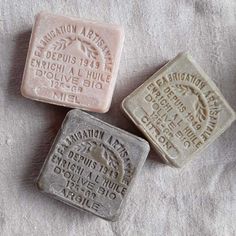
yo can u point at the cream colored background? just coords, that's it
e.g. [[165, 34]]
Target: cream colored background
[[199, 199]]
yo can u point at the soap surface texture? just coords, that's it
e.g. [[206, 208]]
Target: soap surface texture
[[92, 165], [180, 110], [72, 62]]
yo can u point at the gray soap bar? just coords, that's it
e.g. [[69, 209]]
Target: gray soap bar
[[180, 110], [92, 165]]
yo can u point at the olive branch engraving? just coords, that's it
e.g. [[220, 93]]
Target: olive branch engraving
[[111, 158], [103, 154], [182, 89], [62, 44], [94, 148], [86, 147], [200, 110], [200, 107], [86, 47]]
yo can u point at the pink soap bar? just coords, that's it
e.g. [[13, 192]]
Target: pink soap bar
[[72, 62]]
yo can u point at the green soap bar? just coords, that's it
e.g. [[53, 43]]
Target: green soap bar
[[180, 110]]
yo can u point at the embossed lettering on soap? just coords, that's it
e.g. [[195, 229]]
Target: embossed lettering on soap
[[72, 62], [179, 109], [92, 165], [183, 117]]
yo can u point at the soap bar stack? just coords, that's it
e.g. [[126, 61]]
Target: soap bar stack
[[92, 165]]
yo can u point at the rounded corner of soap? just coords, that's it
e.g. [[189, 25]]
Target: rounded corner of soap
[[73, 111], [147, 146], [104, 109], [114, 218], [174, 164], [118, 28], [125, 105], [39, 185], [121, 31], [41, 14], [184, 54], [25, 91], [233, 115]]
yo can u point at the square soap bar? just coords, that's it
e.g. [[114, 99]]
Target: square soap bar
[[92, 165], [180, 110], [72, 62]]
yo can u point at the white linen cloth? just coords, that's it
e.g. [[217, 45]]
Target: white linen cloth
[[199, 199]]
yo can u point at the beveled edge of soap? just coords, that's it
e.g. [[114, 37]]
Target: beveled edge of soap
[[142, 159], [158, 149], [75, 18], [85, 115], [115, 27], [24, 92]]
